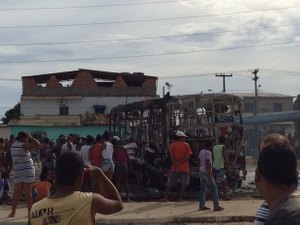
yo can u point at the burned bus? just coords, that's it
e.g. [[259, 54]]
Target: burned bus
[[153, 123]]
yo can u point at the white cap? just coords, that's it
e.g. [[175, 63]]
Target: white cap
[[180, 134], [117, 138]]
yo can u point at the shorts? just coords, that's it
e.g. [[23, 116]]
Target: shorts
[[220, 175], [175, 177], [107, 165]]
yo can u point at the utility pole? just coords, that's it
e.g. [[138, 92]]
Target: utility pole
[[255, 78], [255, 127], [224, 77]]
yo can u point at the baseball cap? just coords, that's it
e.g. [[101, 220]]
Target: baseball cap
[[180, 134]]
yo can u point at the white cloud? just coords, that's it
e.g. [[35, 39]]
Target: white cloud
[[208, 25]]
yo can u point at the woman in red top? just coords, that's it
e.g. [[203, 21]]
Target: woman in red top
[[121, 160], [95, 152]]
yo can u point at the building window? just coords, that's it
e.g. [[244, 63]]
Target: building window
[[99, 109], [249, 107], [64, 111], [277, 107]]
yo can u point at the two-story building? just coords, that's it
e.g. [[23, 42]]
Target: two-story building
[[272, 116], [77, 101], [266, 102], [270, 103]]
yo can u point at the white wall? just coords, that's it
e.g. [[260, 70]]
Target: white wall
[[5, 132], [45, 106]]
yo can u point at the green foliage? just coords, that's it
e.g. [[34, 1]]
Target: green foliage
[[13, 113]]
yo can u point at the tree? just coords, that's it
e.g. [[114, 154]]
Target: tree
[[13, 113]]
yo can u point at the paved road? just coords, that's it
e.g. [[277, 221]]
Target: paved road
[[237, 212]]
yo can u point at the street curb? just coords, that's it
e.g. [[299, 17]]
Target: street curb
[[155, 221], [176, 220]]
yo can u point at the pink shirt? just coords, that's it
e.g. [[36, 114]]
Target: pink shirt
[[204, 155]]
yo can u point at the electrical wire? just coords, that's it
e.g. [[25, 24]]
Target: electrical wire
[[149, 55], [282, 71], [246, 71], [144, 38], [9, 79], [92, 6], [146, 20]]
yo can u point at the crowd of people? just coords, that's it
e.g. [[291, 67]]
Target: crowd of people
[[92, 171], [18, 158], [276, 176]]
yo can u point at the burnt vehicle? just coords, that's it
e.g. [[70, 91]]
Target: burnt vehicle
[[153, 123]]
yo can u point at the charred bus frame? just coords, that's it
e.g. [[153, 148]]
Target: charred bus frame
[[201, 117]]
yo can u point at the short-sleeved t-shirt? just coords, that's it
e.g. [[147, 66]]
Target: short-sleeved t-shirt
[[73, 209], [180, 150], [204, 155], [85, 149], [131, 150], [286, 212]]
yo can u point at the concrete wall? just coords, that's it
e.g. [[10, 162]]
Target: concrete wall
[[83, 91], [5, 132], [46, 106]]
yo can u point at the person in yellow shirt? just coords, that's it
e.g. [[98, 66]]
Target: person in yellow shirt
[[71, 206]]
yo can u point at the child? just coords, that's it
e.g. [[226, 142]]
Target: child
[[42, 188], [4, 188]]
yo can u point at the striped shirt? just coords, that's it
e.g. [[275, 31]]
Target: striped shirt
[[262, 214], [23, 169]]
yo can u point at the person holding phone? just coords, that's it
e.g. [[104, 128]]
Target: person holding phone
[[69, 205]]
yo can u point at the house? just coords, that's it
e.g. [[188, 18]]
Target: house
[[77, 101], [266, 102], [270, 104], [273, 115]]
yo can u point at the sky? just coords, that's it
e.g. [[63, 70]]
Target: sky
[[185, 43]]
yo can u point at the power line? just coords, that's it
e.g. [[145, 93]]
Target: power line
[[144, 38], [200, 74], [145, 20], [208, 74], [92, 6], [10, 79], [148, 55], [295, 73], [185, 76]]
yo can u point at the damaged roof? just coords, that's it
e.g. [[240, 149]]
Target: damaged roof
[[71, 75]]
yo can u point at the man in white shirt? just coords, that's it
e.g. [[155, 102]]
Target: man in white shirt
[[68, 146]]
